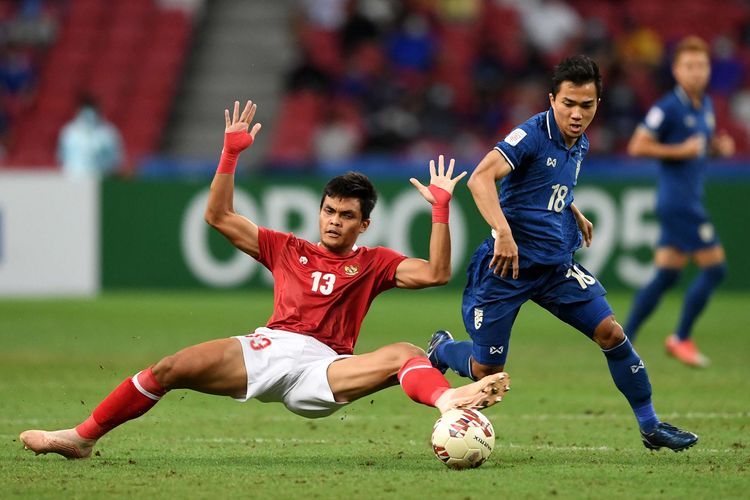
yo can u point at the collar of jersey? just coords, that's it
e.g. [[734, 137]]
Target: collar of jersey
[[685, 100], [327, 252]]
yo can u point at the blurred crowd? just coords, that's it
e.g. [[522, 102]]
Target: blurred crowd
[[27, 28], [418, 76], [399, 77]]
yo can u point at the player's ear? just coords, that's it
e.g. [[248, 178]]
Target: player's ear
[[364, 225], [551, 99]]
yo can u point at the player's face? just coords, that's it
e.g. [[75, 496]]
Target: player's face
[[575, 107], [691, 70], [341, 223]]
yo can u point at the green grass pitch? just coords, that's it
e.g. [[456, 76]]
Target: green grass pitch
[[564, 431]]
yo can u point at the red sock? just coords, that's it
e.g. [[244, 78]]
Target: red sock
[[131, 399], [421, 382]]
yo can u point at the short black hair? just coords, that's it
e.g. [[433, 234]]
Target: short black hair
[[578, 69], [352, 185]]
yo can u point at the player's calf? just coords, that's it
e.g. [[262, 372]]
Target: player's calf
[[66, 442]]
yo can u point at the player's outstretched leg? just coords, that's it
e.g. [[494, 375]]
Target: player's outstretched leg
[[483, 393], [66, 442], [131, 399], [665, 435], [424, 384]]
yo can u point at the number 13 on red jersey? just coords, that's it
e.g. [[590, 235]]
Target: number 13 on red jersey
[[323, 283]]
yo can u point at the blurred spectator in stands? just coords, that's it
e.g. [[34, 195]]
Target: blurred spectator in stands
[[551, 26], [17, 73], [338, 138], [640, 46], [726, 68], [88, 145], [411, 48]]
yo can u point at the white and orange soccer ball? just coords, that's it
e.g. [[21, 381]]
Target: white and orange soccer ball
[[463, 439]]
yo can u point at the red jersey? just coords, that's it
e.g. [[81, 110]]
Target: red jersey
[[320, 293]]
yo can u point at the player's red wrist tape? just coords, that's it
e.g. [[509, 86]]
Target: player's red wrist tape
[[227, 163], [234, 144], [440, 212]]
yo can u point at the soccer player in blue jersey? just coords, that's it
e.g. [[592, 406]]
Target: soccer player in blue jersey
[[536, 228], [679, 132]]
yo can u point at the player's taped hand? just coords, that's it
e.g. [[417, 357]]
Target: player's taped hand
[[234, 144], [440, 209]]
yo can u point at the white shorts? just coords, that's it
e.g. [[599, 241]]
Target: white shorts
[[289, 368]]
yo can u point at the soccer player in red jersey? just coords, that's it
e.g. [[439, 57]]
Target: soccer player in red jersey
[[303, 357]]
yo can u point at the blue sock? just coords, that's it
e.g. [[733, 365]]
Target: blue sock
[[457, 355], [648, 298], [646, 417], [697, 297], [629, 375]]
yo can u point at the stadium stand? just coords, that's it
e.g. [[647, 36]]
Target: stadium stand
[[370, 77], [478, 66], [126, 53]]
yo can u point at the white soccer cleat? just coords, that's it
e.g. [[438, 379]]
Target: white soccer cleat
[[477, 395], [66, 442]]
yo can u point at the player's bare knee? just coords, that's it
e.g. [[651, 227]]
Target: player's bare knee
[[167, 371], [404, 351], [609, 333]]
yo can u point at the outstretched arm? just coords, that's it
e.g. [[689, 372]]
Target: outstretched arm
[[420, 273], [239, 230]]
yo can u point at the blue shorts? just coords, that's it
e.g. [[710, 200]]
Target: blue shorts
[[686, 231], [491, 303]]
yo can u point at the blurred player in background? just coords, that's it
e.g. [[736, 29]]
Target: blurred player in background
[[303, 356], [679, 131], [536, 228]]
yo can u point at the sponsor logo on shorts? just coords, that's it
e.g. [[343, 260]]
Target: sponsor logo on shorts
[[497, 350], [478, 317], [351, 270]]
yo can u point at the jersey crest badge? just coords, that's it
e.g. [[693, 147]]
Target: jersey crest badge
[[303, 260], [690, 121], [551, 162], [478, 317], [515, 137], [351, 270]]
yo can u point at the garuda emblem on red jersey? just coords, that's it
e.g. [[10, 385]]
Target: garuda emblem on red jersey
[[351, 270]]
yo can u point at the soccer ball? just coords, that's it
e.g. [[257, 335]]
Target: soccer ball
[[463, 439]]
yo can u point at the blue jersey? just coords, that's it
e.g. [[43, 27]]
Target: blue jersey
[[536, 195], [672, 120]]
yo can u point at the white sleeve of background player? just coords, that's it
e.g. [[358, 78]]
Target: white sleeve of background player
[[654, 119]]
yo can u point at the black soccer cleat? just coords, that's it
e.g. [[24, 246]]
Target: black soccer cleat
[[668, 436], [438, 338]]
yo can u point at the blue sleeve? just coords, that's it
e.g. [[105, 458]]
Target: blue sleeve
[[518, 146]]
